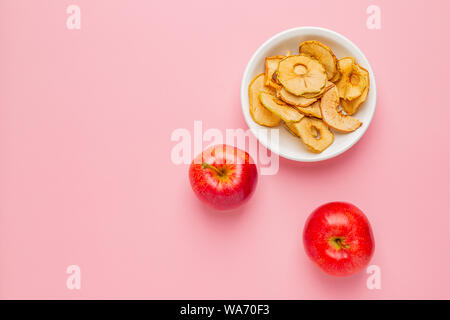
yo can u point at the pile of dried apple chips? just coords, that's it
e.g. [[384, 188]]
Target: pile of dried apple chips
[[311, 92]]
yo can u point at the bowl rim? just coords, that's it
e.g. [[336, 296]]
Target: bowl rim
[[323, 32]]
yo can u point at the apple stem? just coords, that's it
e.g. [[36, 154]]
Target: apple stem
[[208, 166], [341, 244], [338, 243]]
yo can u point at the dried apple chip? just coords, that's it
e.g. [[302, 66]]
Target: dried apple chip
[[350, 107], [314, 133], [332, 116], [289, 126], [322, 53], [352, 82], [259, 113], [302, 75], [280, 108], [271, 66]]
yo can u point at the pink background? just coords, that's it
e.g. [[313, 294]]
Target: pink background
[[86, 176]]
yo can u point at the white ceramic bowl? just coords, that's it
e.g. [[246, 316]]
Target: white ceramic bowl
[[289, 146]]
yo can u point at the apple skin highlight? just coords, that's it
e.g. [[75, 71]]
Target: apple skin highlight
[[338, 237], [223, 177]]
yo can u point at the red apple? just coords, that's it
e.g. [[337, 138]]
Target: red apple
[[223, 177], [338, 238]]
